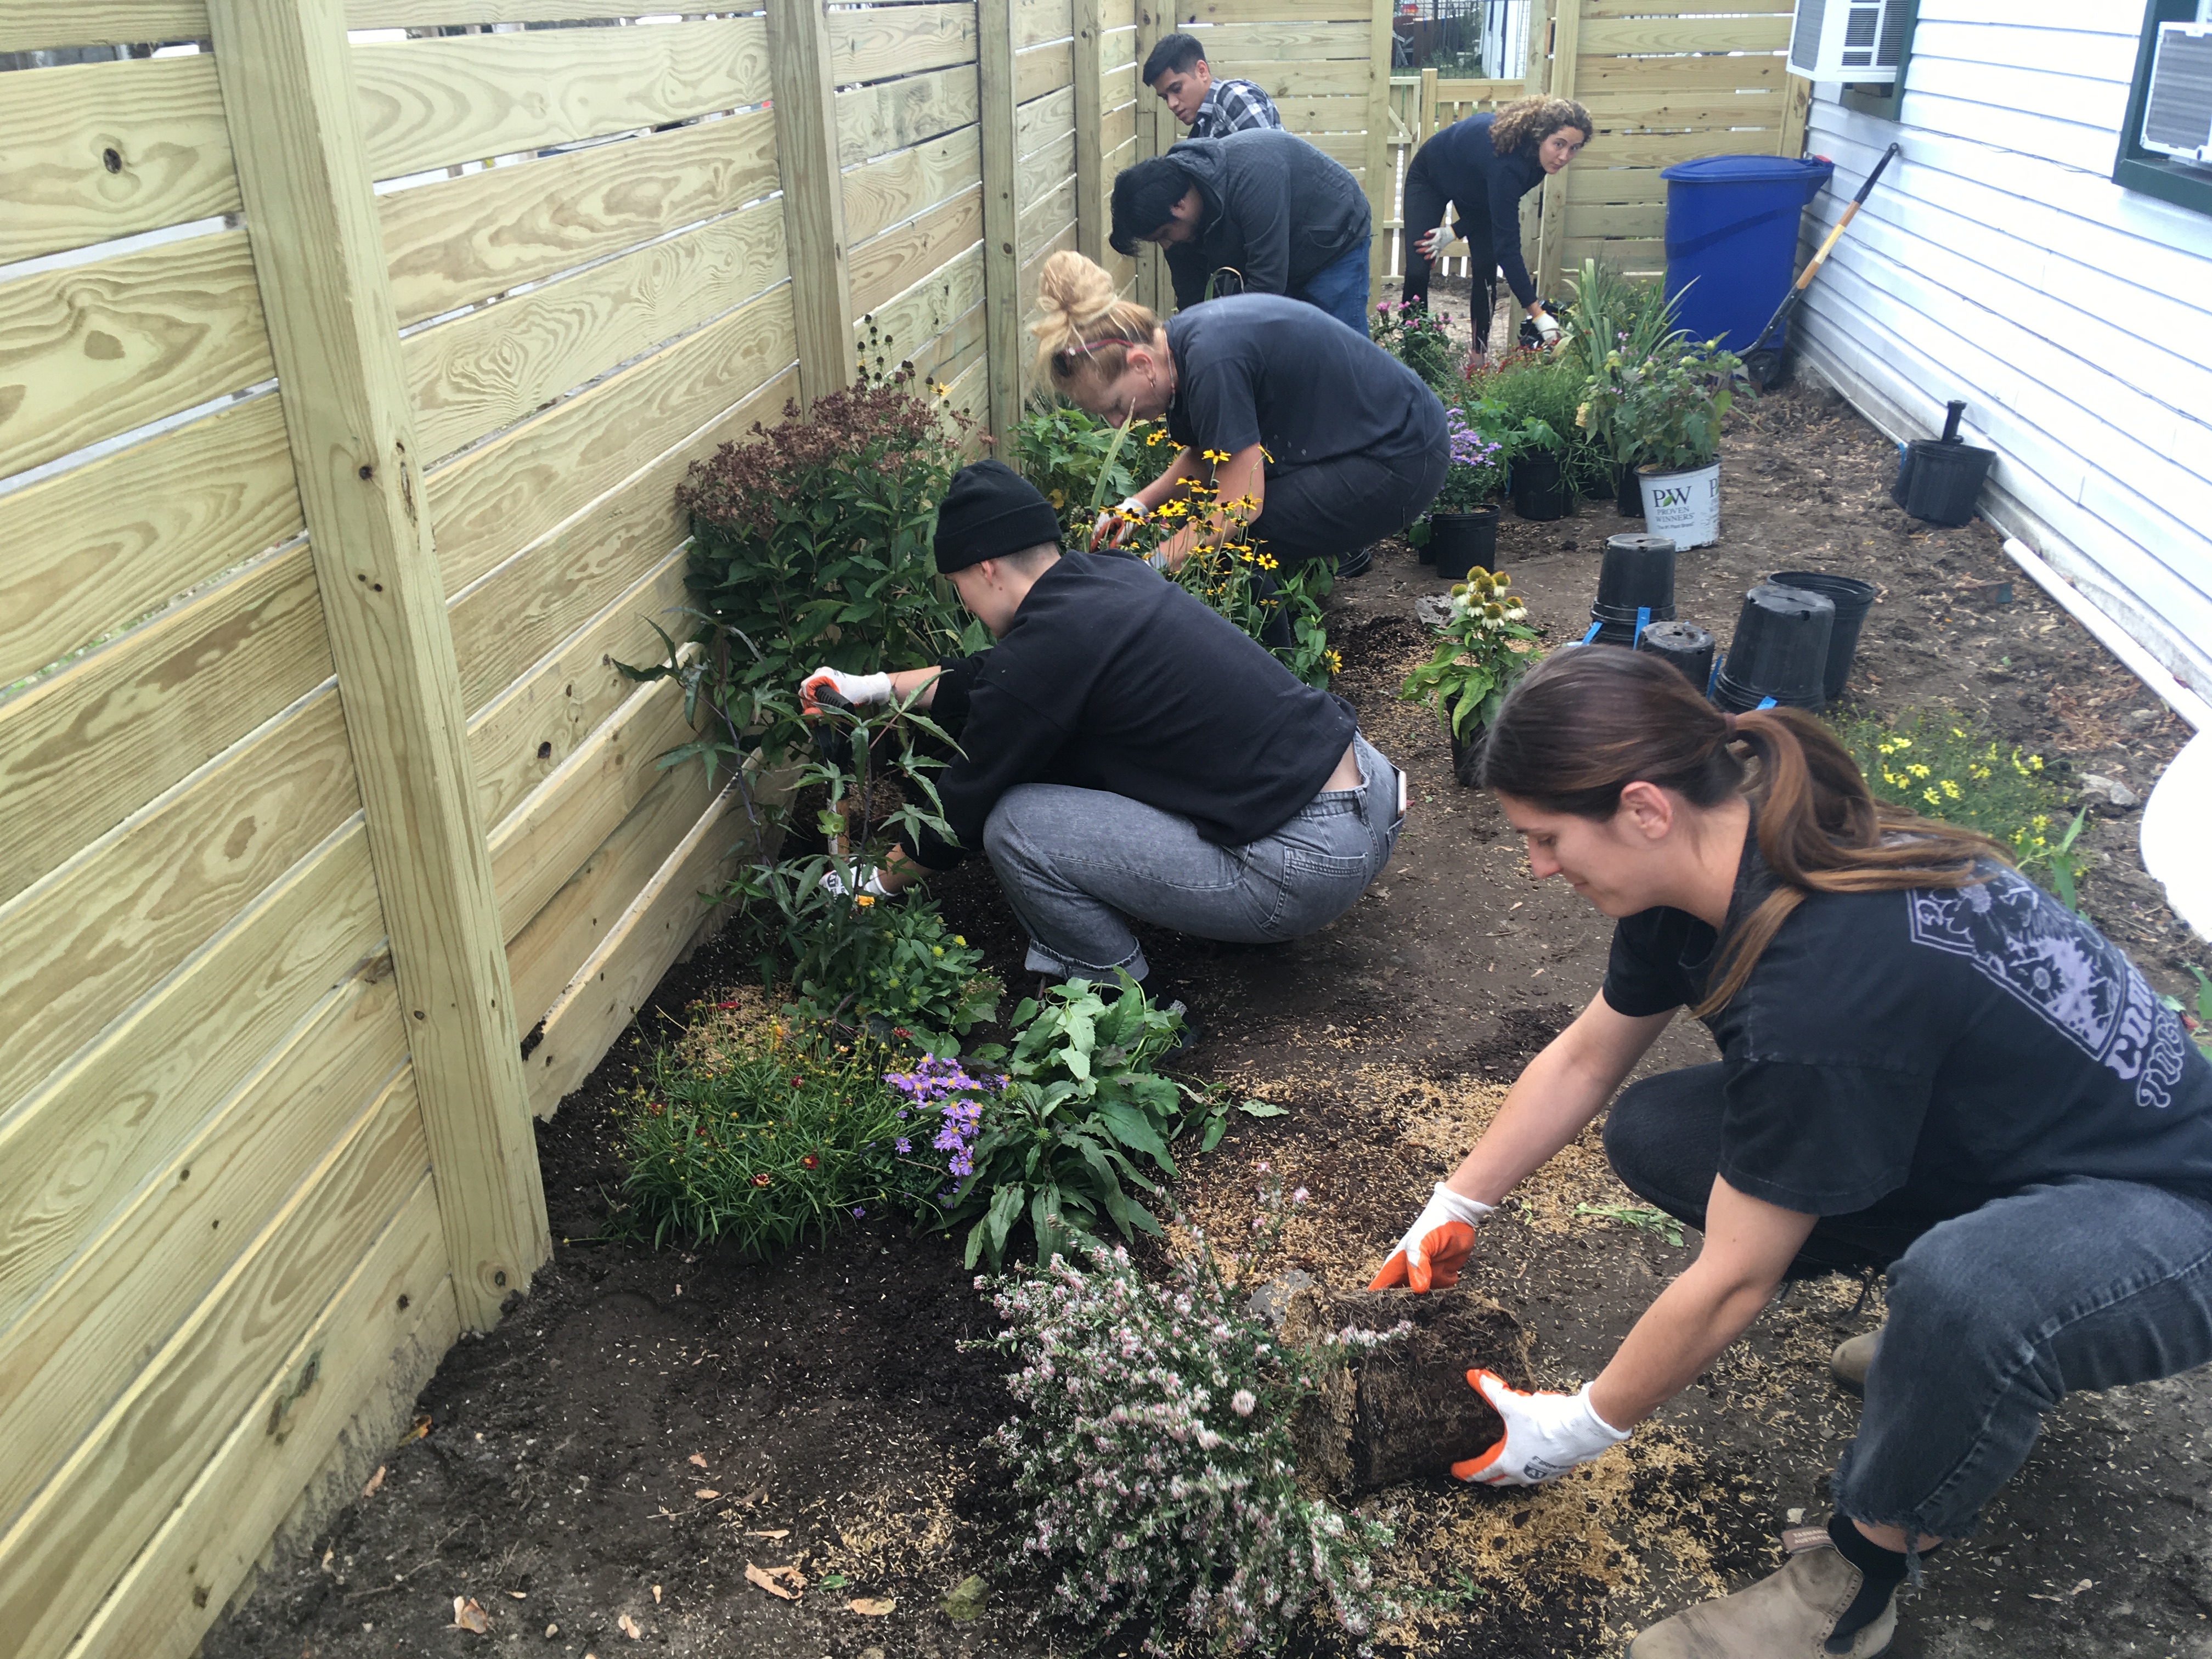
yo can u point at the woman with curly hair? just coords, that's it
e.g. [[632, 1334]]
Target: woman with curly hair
[[1482, 167], [1326, 440]]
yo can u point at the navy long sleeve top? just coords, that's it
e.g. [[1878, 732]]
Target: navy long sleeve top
[[1484, 184]]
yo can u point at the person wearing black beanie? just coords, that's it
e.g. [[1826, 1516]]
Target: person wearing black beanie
[[1126, 754]]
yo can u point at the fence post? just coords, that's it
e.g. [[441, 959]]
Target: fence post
[[813, 196], [1382, 174], [1153, 287], [1002, 254], [1532, 224], [1090, 135], [287, 95], [1566, 34]]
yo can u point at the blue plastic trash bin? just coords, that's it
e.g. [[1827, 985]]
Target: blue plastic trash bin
[[1732, 241]]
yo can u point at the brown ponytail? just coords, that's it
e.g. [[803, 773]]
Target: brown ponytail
[[1585, 723]]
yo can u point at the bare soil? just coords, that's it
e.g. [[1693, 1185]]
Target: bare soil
[[645, 1424]]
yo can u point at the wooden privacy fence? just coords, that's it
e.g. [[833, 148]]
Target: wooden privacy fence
[[330, 500], [1664, 83]]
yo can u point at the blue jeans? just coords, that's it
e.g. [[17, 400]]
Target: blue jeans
[[1339, 288], [1078, 865], [1995, 1316]]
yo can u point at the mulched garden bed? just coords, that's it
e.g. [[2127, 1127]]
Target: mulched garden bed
[[645, 1424]]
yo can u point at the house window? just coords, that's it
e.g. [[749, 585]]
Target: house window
[[2177, 115], [1882, 98]]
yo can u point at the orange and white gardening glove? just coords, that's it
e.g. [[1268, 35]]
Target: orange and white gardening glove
[[1546, 1435], [859, 689], [1436, 1246], [1115, 523]]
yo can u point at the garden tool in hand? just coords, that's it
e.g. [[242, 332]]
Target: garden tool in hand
[[1763, 363], [1546, 1435], [1436, 1246]]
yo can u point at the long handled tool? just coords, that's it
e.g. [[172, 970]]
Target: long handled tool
[[1764, 363]]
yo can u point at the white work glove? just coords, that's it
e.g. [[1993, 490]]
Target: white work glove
[[859, 689], [1546, 1435], [833, 881], [1115, 523], [1436, 1246], [1430, 242], [1547, 327]]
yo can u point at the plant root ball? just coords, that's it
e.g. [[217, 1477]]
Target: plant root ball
[[1403, 1411]]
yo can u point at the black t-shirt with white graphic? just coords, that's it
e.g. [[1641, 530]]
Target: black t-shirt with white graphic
[[1919, 1053]]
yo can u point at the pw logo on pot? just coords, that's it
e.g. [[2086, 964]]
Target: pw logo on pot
[[1671, 495]]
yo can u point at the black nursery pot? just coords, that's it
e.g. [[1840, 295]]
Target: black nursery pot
[[1852, 598], [1687, 646], [1628, 492], [1780, 650], [1461, 541], [1538, 493], [1467, 757], [1637, 577]]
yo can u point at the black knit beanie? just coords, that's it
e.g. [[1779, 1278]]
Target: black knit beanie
[[991, 511], [1145, 197]]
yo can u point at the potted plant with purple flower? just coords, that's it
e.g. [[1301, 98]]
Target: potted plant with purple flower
[[1463, 517]]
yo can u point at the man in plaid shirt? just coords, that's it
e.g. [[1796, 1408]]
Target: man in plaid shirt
[[1178, 71]]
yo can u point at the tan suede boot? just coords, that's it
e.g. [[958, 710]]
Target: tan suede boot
[[1788, 1615], [1848, 1365]]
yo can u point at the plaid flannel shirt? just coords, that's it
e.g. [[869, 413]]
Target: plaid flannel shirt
[[1233, 107]]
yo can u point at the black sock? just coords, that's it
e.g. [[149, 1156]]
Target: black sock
[[1880, 1572]]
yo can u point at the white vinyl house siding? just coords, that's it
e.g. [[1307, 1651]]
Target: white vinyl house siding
[[1997, 262]]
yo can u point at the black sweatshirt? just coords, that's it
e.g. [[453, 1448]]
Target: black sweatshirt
[[1277, 211], [1112, 678], [1485, 190]]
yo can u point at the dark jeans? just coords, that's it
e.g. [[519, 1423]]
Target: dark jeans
[[1995, 1316], [1332, 506], [1425, 198]]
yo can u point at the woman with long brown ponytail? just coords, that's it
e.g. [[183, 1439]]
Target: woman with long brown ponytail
[[1928, 1066]]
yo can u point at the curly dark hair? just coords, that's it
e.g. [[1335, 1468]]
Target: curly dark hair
[[1527, 122]]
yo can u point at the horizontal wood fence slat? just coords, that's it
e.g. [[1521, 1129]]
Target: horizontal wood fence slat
[[431, 14], [89, 351], [461, 239], [884, 266], [100, 545], [884, 41], [1039, 21], [894, 188], [1601, 36], [96, 151], [432, 103], [1216, 12], [36, 24], [1044, 68], [894, 114]]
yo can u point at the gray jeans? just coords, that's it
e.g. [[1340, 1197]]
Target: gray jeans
[[1079, 865]]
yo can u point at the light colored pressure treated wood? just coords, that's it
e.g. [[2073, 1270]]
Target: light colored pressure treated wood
[[1644, 8], [1092, 185], [553, 947], [77, 1346], [109, 924], [893, 188], [1602, 37], [516, 741], [100, 545], [429, 103], [1048, 169], [505, 494], [813, 200], [1659, 149], [911, 322], [1231, 12], [546, 840], [1618, 112], [91, 350], [375, 1344], [1566, 34], [431, 14], [100, 150], [118, 1485], [1043, 120], [1332, 77], [558, 582], [74, 1150], [1042, 220], [1675, 76], [620, 974], [894, 114], [1378, 175], [1038, 20], [1002, 261], [321, 270], [1286, 42], [464, 238], [884, 41], [32, 25], [886, 266], [1043, 69], [1797, 105], [496, 364], [159, 702]]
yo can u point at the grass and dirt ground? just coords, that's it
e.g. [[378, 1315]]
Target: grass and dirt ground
[[602, 1469]]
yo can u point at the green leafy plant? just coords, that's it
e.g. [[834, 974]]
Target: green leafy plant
[[1054, 1153], [1152, 1448], [762, 1139], [1665, 408], [1484, 647], [1639, 1216], [1081, 463], [1931, 762], [1419, 340], [2066, 866], [1615, 325], [1524, 395], [2199, 1024], [1211, 1104]]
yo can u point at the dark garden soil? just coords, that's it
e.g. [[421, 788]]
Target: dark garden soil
[[644, 1425]]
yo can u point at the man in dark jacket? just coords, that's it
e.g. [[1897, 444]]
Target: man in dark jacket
[[1257, 212], [1128, 754]]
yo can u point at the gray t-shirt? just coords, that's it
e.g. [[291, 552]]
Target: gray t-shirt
[[1261, 368]]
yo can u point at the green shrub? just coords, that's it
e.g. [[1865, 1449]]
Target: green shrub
[[1065, 452], [1933, 763], [1421, 341], [1152, 1450], [760, 1139], [1531, 388]]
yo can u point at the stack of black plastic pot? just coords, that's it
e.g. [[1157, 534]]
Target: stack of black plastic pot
[[1635, 588]]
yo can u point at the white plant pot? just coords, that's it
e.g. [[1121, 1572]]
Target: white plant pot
[[1684, 506]]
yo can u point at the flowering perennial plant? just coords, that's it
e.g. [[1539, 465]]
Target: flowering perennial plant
[[943, 1087], [1484, 646], [1153, 1446], [1421, 342], [1476, 472]]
